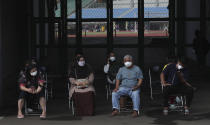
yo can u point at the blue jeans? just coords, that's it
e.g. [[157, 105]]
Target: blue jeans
[[135, 95]]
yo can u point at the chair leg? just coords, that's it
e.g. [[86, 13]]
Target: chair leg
[[72, 107], [51, 92], [110, 92], [69, 104], [150, 81], [107, 93], [26, 110], [182, 101]]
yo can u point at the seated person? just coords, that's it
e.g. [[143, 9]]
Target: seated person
[[111, 68], [174, 79], [131, 78], [81, 78], [30, 85]]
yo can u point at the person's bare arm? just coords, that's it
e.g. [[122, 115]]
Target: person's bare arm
[[40, 87], [90, 79], [23, 88], [72, 81], [181, 78], [162, 80], [138, 85], [38, 90], [117, 85]]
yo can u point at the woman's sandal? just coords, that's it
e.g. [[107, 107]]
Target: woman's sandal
[[42, 116], [20, 116]]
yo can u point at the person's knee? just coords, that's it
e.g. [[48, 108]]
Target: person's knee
[[114, 94], [135, 94], [21, 99]]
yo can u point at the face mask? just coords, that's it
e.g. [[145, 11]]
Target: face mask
[[128, 64], [81, 63], [112, 59], [34, 73], [33, 62], [179, 67]]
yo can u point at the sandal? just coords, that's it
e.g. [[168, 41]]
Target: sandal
[[43, 116], [20, 116]]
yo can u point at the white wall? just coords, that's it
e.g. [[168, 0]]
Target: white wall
[[147, 3], [124, 3]]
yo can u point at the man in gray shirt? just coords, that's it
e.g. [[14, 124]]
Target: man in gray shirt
[[130, 76]]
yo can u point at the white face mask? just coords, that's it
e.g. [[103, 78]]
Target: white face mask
[[81, 63], [112, 59], [179, 67], [34, 73], [34, 63], [128, 64]]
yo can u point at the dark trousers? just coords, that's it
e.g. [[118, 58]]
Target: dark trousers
[[178, 89]]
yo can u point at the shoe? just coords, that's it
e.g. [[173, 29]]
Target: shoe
[[186, 112], [42, 116], [115, 112], [135, 114], [20, 116], [30, 110], [165, 112]]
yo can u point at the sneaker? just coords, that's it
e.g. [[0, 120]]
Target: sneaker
[[186, 112], [20, 116], [165, 112], [30, 110]]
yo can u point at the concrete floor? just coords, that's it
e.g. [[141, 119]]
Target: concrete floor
[[151, 113]]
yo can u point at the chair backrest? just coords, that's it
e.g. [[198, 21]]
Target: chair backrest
[[154, 79]]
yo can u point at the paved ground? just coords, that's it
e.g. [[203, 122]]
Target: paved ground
[[58, 113]]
